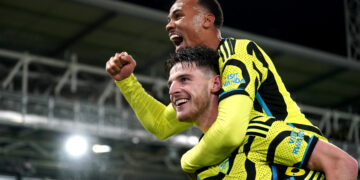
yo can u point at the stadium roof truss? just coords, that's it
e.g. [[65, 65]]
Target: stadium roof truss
[[53, 82]]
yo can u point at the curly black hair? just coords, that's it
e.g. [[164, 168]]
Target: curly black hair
[[201, 56]]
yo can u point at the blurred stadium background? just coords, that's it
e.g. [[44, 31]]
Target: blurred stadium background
[[54, 85]]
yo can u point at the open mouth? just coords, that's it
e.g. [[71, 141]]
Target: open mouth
[[181, 102], [176, 39]]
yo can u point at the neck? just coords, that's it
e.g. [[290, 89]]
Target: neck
[[208, 117], [212, 39]]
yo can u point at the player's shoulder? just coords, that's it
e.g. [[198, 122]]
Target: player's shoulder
[[232, 47], [244, 44], [236, 45], [242, 41], [237, 40]]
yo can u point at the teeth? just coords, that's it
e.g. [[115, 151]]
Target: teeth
[[172, 37], [181, 101]]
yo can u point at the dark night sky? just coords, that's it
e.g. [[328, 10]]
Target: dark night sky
[[318, 24]]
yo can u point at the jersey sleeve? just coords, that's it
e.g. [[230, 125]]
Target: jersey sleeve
[[244, 71], [240, 79], [223, 137], [158, 119]]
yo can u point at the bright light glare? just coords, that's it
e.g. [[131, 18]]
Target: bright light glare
[[193, 140], [76, 146], [186, 140], [181, 139], [97, 148]]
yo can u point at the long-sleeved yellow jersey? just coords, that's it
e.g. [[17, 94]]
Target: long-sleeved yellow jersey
[[251, 87]]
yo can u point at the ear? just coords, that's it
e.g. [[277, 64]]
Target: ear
[[216, 85], [209, 20]]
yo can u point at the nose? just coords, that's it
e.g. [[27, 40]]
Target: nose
[[174, 88], [169, 26]]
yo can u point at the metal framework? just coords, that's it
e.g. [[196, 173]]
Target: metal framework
[[63, 96], [352, 19], [157, 16], [103, 118], [57, 110]]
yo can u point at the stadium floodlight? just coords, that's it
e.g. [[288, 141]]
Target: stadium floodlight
[[193, 140], [185, 140], [76, 146], [98, 148]]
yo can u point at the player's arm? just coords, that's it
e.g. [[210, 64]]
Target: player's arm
[[223, 137], [336, 163], [157, 118], [235, 103]]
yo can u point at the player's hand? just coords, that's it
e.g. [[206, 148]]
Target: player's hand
[[120, 66]]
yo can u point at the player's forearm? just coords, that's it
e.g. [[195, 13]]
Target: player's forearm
[[336, 163], [154, 116], [343, 166], [343, 169], [223, 137]]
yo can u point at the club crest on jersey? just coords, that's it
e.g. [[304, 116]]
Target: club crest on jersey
[[231, 79]]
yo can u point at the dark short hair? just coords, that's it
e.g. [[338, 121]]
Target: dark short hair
[[214, 7], [201, 56]]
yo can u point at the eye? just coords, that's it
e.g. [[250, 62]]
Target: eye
[[184, 79], [177, 16]]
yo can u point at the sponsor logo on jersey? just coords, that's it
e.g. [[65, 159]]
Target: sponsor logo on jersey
[[231, 79], [296, 138]]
